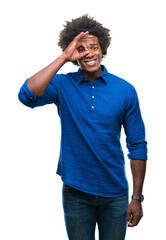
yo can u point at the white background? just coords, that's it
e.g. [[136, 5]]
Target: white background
[[30, 190]]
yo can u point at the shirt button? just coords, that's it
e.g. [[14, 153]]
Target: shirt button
[[93, 97], [93, 87], [92, 106], [85, 79]]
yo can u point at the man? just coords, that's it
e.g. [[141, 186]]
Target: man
[[93, 105]]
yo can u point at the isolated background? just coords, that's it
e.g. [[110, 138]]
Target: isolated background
[[30, 190]]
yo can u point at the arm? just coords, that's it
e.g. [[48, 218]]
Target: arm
[[135, 211], [137, 146], [38, 83]]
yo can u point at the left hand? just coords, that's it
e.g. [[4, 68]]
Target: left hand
[[134, 213]]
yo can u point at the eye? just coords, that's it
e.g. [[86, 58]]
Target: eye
[[94, 48], [81, 49]]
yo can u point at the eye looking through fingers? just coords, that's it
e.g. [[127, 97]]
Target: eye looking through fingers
[[81, 49]]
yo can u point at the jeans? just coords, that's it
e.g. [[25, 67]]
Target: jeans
[[82, 211]]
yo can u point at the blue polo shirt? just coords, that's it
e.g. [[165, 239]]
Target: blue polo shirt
[[92, 115]]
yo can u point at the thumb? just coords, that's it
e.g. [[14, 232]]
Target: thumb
[[129, 217]]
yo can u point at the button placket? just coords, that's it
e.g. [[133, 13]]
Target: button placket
[[92, 99]]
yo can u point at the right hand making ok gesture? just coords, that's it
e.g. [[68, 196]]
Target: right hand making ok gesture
[[71, 53], [38, 83]]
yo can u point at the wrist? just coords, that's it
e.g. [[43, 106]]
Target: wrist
[[63, 59], [139, 198]]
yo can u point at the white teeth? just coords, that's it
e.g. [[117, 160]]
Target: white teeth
[[90, 62]]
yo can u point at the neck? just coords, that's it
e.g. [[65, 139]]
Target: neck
[[92, 75]]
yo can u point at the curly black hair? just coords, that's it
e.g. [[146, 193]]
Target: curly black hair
[[83, 24]]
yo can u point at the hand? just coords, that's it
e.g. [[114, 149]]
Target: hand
[[134, 213], [71, 53]]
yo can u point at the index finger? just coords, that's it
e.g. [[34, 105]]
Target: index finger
[[83, 45], [82, 35]]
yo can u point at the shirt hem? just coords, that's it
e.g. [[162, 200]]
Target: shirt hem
[[113, 195]]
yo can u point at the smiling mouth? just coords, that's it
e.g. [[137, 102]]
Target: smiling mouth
[[90, 63]]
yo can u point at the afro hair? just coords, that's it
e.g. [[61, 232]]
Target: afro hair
[[83, 24]]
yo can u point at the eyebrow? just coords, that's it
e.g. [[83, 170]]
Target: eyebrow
[[93, 44]]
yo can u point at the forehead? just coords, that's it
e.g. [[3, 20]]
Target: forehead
[[90, 40]]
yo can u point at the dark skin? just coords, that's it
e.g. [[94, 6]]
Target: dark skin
[[38, 82], [135, 211], [90, 64], [86, 50]]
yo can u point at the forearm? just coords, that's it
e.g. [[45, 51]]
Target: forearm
[[138, 168], [38, 83]]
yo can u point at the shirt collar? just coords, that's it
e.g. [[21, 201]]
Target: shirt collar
[[104, 75]]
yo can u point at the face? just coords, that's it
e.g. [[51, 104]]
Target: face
[[91, 62]]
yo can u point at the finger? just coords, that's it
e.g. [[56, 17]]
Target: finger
[[86, 34], [83, 35], [78, 40], [84, 46], [129, 218], [80, 35], [135, 220], [83, 54]]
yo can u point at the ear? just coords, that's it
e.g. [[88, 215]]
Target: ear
[[102, 56]]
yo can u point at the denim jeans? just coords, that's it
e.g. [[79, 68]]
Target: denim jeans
[[82, 211]]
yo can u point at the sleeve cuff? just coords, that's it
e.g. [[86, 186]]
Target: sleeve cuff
[[139, 157], [29, 94]]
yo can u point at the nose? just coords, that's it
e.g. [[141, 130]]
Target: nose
[[90, 54]]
